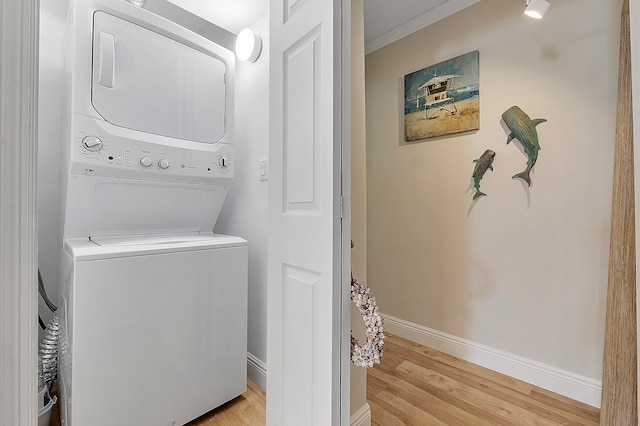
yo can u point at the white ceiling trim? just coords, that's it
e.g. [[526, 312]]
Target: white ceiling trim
[[419, 22]]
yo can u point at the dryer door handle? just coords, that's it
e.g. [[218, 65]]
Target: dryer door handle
[[106, 65]]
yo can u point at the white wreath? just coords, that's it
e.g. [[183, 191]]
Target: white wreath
[[371, 352]]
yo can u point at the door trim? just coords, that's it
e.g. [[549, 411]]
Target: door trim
[[18, 226], [343, 8], [634, 23]]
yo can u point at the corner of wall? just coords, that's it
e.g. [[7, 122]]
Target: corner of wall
[[257, 371], [361, 417]]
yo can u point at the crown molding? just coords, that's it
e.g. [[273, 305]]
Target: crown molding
[[415, 24]]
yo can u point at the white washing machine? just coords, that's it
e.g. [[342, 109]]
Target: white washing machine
[[153, 304], [154, 328]]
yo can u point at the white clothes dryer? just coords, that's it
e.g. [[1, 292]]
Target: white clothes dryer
[[148, 122], [153, 328]]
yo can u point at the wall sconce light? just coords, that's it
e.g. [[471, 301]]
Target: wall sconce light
[[536, 8], [248, 46]]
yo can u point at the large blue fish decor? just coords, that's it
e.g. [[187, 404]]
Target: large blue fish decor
[[524, 129], [483, 164]]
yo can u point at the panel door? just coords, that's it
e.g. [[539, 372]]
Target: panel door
[[304, 316]]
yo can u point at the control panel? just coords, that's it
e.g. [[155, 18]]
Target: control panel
[[95, 152]]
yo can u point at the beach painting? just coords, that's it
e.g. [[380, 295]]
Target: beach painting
[[442, 99]]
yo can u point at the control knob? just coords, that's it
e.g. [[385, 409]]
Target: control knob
[[146, 162], [92, 143], [163, 164], [223, 162]]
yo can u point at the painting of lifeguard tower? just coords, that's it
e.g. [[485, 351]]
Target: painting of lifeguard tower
[[442, 99], [436, 98]]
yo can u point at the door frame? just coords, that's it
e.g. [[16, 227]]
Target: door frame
[[634, 21], [345, 293], [19, 28], [19, 32]]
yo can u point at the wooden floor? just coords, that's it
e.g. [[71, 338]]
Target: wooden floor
[[418, 386], [249, 409]]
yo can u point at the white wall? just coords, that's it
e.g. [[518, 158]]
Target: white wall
[[522, 270], [360, 410], [245, 211], [52, 19]]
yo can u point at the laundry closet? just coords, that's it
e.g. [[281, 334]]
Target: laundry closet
[[153, 304]]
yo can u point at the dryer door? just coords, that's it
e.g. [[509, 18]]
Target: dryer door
[[145, 81]]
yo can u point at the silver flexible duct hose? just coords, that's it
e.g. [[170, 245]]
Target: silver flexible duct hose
[[48, 351]]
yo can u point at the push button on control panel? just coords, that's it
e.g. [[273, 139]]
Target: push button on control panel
[[163, 164], [146, 162]]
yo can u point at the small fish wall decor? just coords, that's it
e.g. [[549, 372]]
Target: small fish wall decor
[[523, 128], [482, 164]]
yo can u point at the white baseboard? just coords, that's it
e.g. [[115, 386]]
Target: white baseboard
[[565, 383], [362, 417], [257, 370]]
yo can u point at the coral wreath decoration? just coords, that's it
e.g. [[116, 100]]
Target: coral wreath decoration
[[371, 352]]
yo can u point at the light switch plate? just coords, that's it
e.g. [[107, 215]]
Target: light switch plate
[[264, 169]]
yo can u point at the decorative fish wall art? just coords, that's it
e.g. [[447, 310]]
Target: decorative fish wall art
[[523, 128], [482, 164]]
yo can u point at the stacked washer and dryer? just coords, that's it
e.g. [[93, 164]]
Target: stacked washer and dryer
[[153, 304]]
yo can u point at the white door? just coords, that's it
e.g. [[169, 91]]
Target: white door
[[306, 345]]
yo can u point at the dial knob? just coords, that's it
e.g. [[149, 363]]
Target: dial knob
[[223, 162], [92, 143], [146, 162], [163, 164]]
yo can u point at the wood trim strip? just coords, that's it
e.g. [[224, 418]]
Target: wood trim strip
[[619, 383]]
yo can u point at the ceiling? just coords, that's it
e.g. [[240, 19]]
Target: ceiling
[[385, 21], [232, 15]]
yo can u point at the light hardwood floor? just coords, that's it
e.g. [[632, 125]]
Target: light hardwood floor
[[418, 386], [249, 409]]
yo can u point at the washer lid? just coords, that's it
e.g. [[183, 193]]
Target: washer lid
[[154, 240], [101, 248]]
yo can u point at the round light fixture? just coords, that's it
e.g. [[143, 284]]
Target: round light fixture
[[248, 46], [536, 8]]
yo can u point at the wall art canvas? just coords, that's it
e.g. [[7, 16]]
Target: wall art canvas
[[442, 99]]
